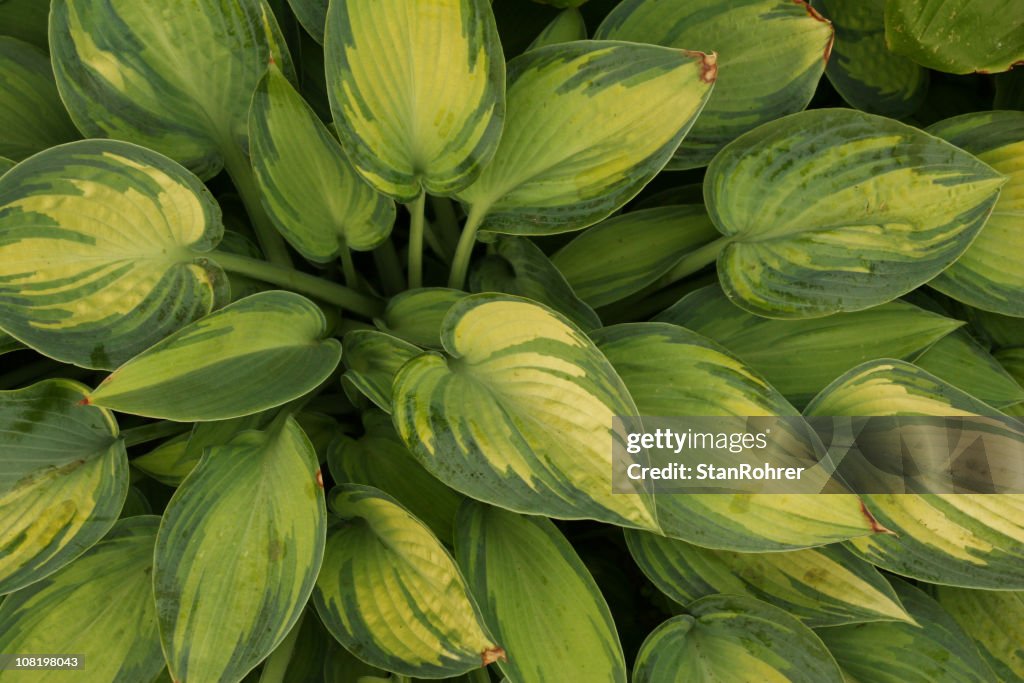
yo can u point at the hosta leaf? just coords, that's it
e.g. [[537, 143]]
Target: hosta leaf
[[9, 343], [216, 368], [970, 540], [823, 586], [312, 14], [26, 20], [862, 69], [567, 26], [392, 595], [990, 275], [5, 165], [32, 117], [999, 331], [99, 251], [995, 621], [168, 463], [99, 607], [538, 597], [836, 210], [238, 552], [310, 191], [63, 479], [671, 371], [515, 265], [439, 119], [935, 650], [767, 70], [734, 638], [957, 36], [589, 123], [300, 656], [372, 360], [826, 347], [1012, 360], [519, 413], [964, 363], [415, 315], [135, 504], [624, 254], [177, 81]]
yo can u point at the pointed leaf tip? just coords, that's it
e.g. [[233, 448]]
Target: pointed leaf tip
[[493, 654], [708, 64]]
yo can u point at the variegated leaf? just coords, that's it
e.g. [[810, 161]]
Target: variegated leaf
[[216, 368], [238, 553], [566, 27], [538, 597], [63, 479], [99, 607], [768, 69], [519, 413], [990, 275], [392, 595], [372, 359], [734, 638], [310, 191], [835, 210], [970, 540], [960, 360], [995, 621], [589, 123], [439, 119], [415, 315], [101, 251], [168, 463]]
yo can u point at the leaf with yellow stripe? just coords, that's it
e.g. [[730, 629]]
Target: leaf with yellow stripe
[[519, 412], [995, 621], [310, 191], [438, 120], [990, 274], [538, 597], [836, 210], [393, 596], [216, 368], [415, 315], [768, 69], [734, 638], [589, 123], [372, 359], [101, 251], [100, 607], [934, 650], [63, 479], [969, 540], [671, 371], [32, 117], [238, 552], [824, 586]]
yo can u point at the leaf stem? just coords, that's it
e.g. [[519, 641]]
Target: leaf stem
[[303, 283], [389, 267], [463, 253], [447, 224], [153, 431], [693, 262], [348, 268], [416, 209], [239, 168]]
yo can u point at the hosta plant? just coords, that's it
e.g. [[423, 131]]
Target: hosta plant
[[319, 321]]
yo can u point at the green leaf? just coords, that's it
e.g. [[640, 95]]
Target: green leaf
[[100, 245], [964, 363], [671, 371], [312, 14], [800, 357], [538, 597], [957, 36], [9, 343], [341, 666], [63, 479], [439, 119], [25, 20], [863, 70], [415, 315], [824, 586], [271, 334], [372, 359], [493, 417], [177, 81], [995, 621], [734, 638], [310, 191], [768, 69], [32, 117], [99, 607], [135, 504], [970, 540], [835, 210], [589, 123], [169, 463], [392, 595], [238, 552], [515, 265], [6, 165], [990, 275], [624, 254], [564, 28], [935, 650]]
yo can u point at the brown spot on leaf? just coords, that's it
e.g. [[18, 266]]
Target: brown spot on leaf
[[875, 526], [85, 402], [708, 64], [492, 655], [319, 478]]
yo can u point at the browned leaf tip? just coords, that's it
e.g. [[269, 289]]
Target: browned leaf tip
[[493, 654], [816, 15], [319, 478], [85, 402], [875, 526], [708, 64]]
